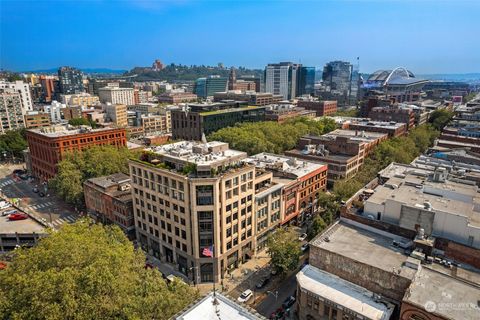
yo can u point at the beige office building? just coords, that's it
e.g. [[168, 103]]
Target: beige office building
[[116, 95], [191, 197], [117, 113], [80, 99]]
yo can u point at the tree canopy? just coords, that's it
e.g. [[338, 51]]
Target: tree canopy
[[284, 250], [269, 136], [13, 142], [87, 271], [92, 162], [82, 122], [400, 149], [439, 118]]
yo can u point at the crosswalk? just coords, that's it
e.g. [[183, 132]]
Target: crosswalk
[[67, 219], [41, 205], [6, 183]]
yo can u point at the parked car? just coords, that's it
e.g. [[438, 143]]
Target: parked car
[[263, 282], [245, 296], [35, 190], [288, 302], [304, 247], [302, 237], [18, 216], [41, 194], [5, 205], [6, 213]]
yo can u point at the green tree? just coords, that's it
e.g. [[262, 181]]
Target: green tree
[[317, 226], [439, 118], [92, 162], [12, 143], [82, 122], [87, 271], [284, 250]]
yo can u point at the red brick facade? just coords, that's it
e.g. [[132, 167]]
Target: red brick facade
[[323, 108], [48, 149]]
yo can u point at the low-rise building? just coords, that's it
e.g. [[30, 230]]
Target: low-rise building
[[393, 129], [195, 120], [108, 199], [48, 145], [283, 112], [344, 155], [302, 181], [251, 97], [322, 108], [177, 97], [79, 99], [36, 119], [372, 139], [72, 112], [395, 114], [19, 233]]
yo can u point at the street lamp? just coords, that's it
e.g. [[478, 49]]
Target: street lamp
[[195, 277]]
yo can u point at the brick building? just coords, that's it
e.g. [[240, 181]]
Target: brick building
[[322, 108], [72, 112], [177, 97], [109, 200], [344, 155], [49, 145], [389, 114], [393, 129], [281, 113], [252, 98]]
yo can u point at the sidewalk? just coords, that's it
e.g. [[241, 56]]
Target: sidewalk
[[166, 268]]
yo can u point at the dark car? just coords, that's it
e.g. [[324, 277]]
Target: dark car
[[262, 283], [18, 171], [288, 302], [41, 194]]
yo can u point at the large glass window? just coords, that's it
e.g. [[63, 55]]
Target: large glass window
[[204, 195]]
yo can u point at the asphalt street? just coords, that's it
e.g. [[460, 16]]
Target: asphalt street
[[49, 208]]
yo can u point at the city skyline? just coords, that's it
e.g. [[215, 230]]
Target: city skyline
[[427, 37]]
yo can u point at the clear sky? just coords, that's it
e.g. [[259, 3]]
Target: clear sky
[[426, 36]]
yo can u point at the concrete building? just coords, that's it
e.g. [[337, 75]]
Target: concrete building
[[70, 80], [49, 145], [140, 96], [36, 119], [108, 200], [194, 207], [244, 85], [343, 154], [55, 110], [441, 204], [393, 129], [283, 112], [79, 99], [195, 120], [116, 113], [156, 123], [23, 89], [217, 306], [116, 95], [302, 181], [252, 98], [282, 79], [19, 233], [177, 97], [11, 110], [322, 295], [322, 108]]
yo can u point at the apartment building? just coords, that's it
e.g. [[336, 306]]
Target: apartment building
[[80, 99], [23, 89], [344, 155], [116, 95], [11, 110], [156, 123], [48, 145], [109, 200], [116, 113], [36, 119]]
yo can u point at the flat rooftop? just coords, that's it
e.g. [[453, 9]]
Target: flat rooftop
[[448, 297], [366, 245], [217, 307], [202, 154], [27, 226], [366, 136], [66, 130], [296, 167], [344, 293], [332, 157]]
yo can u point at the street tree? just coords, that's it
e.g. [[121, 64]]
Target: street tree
[[284, 250], [87, 271], [317, 226]]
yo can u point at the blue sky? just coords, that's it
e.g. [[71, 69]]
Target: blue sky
[[426, 36]]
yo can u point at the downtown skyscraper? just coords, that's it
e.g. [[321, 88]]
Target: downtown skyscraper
[[289, 79]]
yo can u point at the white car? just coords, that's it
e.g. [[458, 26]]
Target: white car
[[4, 205], [245, 296], [302, 237]]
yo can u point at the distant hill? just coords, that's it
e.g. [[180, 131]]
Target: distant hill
[[173, 72], [461, 77], [84, 70]]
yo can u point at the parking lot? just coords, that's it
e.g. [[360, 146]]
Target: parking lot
[[42, 203]]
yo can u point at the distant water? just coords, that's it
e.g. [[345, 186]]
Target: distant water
[[462, 77]]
